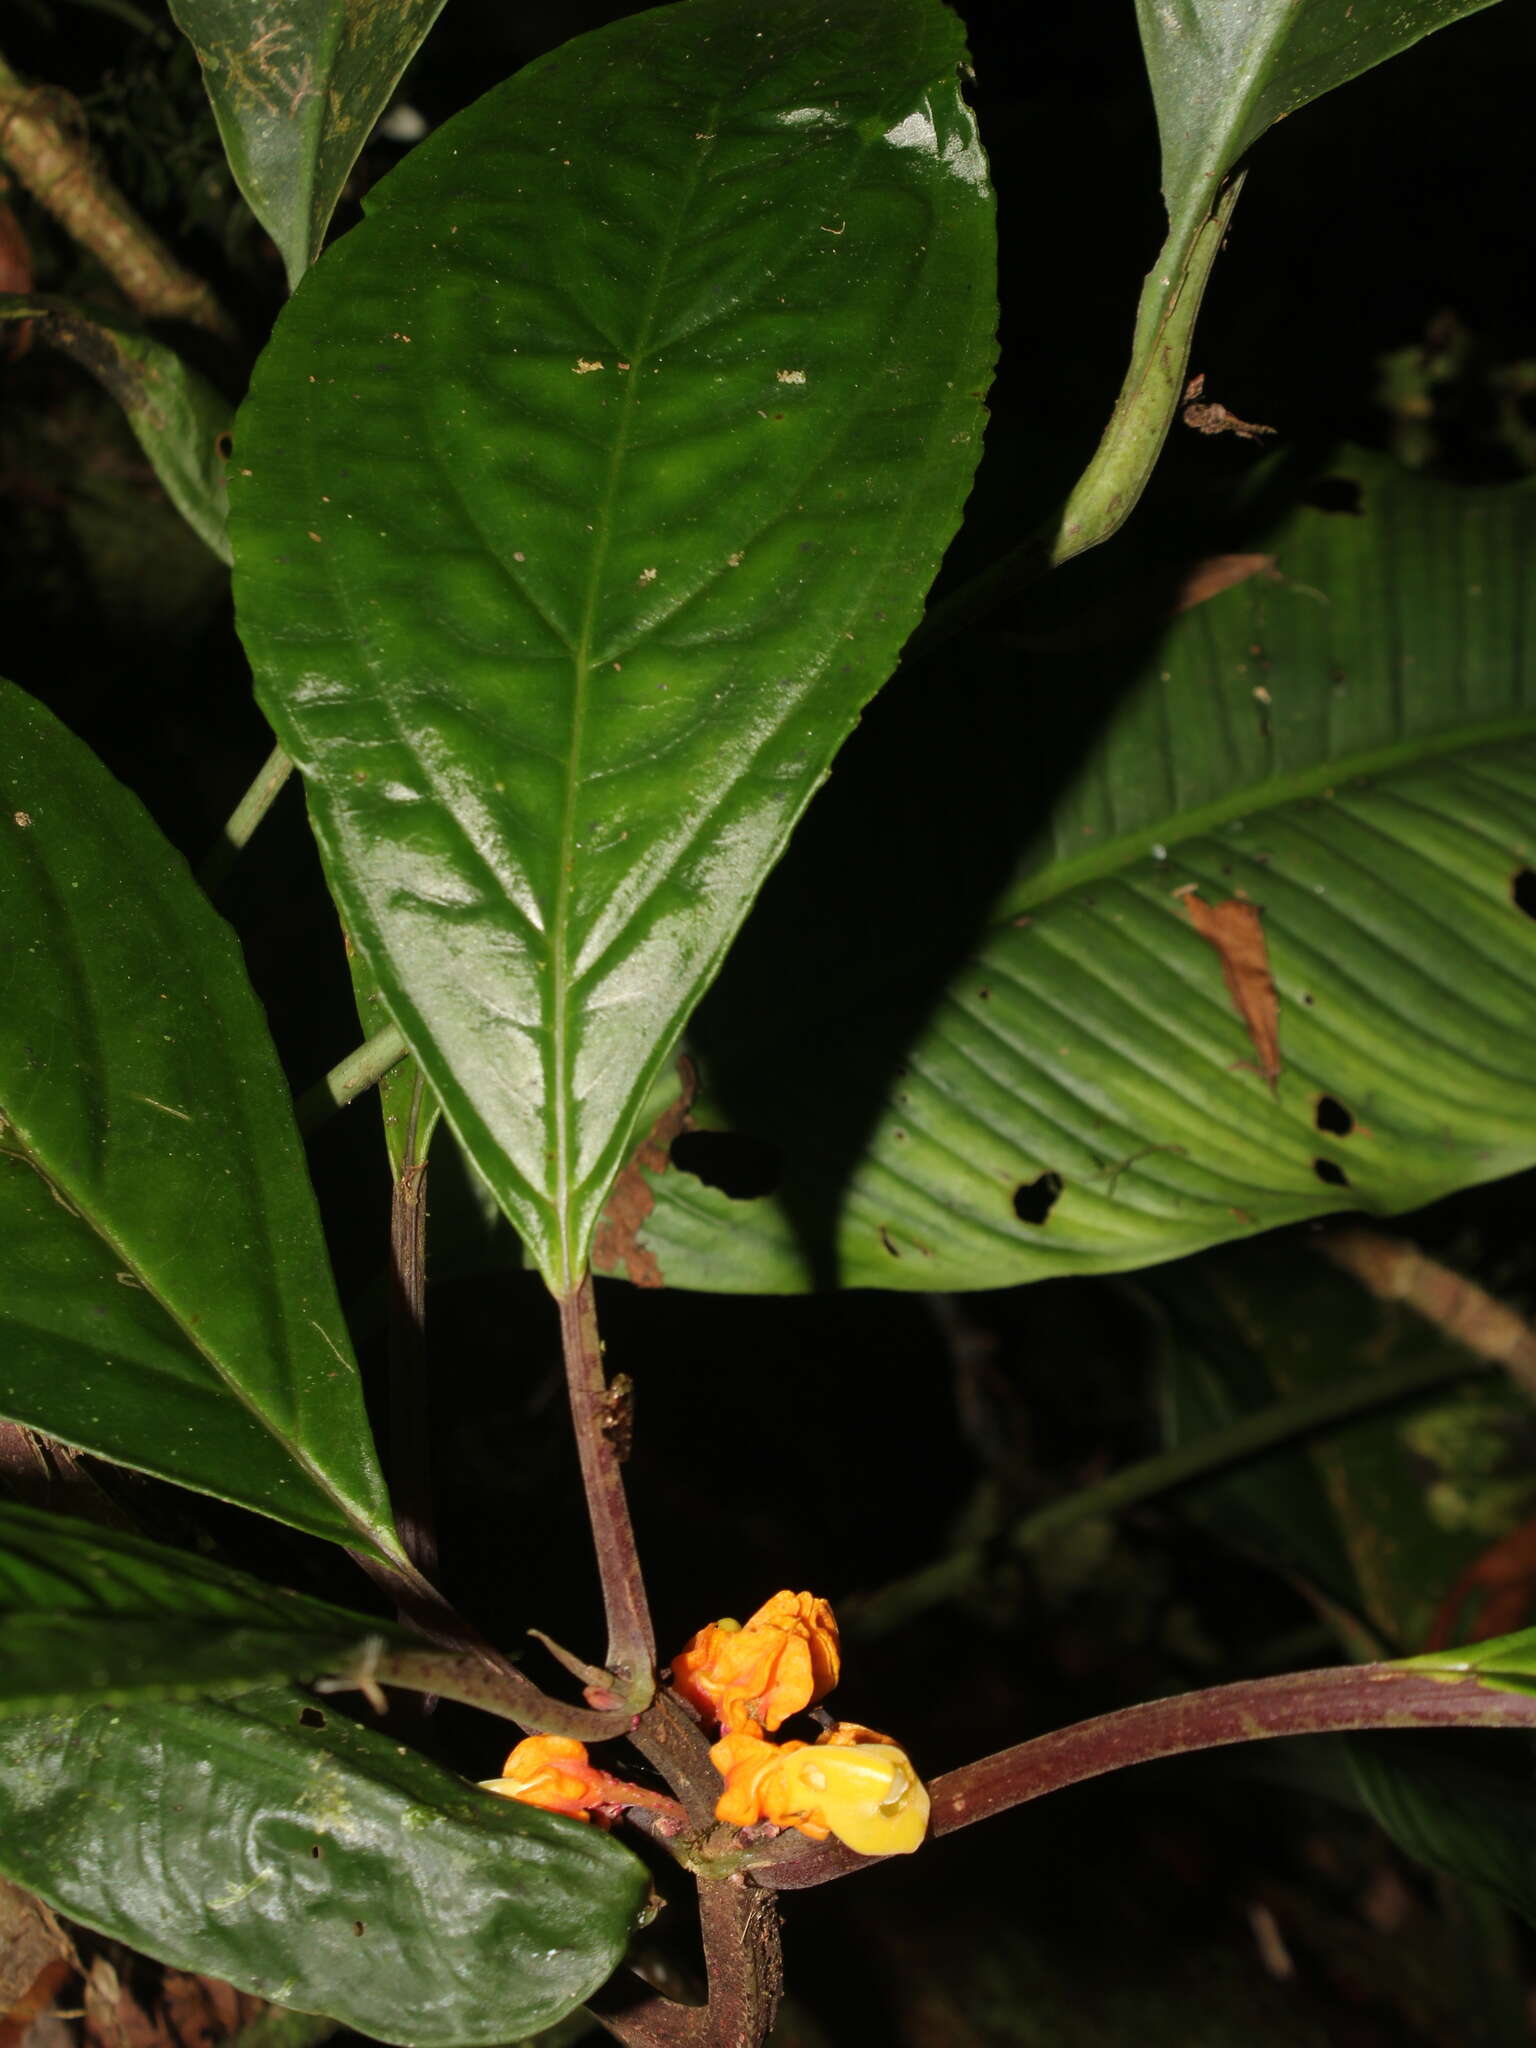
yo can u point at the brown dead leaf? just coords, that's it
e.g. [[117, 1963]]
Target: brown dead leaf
[[36, 1960], [617, 1243], [1215, 574], [200, 2012], [1211, 418], [1494, 1595], [1236, 930], [113, 2016]]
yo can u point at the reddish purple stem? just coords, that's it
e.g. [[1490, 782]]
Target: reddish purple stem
[[1307, 1703]]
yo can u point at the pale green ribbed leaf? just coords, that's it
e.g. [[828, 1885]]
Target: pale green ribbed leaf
[[1348, 739]]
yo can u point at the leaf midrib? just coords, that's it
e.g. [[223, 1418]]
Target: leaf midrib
[[581, 663], [1175, 828]]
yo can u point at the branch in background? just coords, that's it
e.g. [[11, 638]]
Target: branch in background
[[1394, 1270], [599, 1429], [56, 166], [1265, 1429], [1353, 1697]]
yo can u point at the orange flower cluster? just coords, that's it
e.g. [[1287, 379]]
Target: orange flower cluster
[[782, 1660], [553, 1771], [749, 1678]]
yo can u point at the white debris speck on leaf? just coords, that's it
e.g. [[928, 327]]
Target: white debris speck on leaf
[[735, 561], [646, 576], [790, 376], [402, 123], [582, 368]]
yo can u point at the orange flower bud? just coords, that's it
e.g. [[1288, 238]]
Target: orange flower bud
[[553, 1771], [784, 1658], [850, 1783]]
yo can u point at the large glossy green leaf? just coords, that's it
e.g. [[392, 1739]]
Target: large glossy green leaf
[[1222, 71], [584, 495], [296, 87], [1347, 739], [89, 1613], [177, 417], [314, 1863], [166, 1301]]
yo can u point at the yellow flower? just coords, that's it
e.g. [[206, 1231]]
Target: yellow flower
[[554, 1771], [851, 1782], [782, 1659]]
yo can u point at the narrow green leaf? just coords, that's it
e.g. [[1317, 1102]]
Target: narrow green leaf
[[177, 417], [167, 1301], [296, 88], [314, 1863], [595, 483], [1347, 739], [88, 1613], [1508, 1662], [1222, 71]]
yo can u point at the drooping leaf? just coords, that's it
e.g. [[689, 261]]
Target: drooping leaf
[[314, 1863], [88, 1613], [1216, 1369], [167, 1301], [1453, 1812], [177, 417], [1383, 1515], [1378, 1518], [1346, 740], [1222, 71], [585, 494], [296, 87]]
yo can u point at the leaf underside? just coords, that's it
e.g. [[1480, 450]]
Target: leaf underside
[[584, 495], [1347, 740]]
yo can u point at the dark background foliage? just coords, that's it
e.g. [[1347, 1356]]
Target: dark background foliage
[[1377, 289]]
